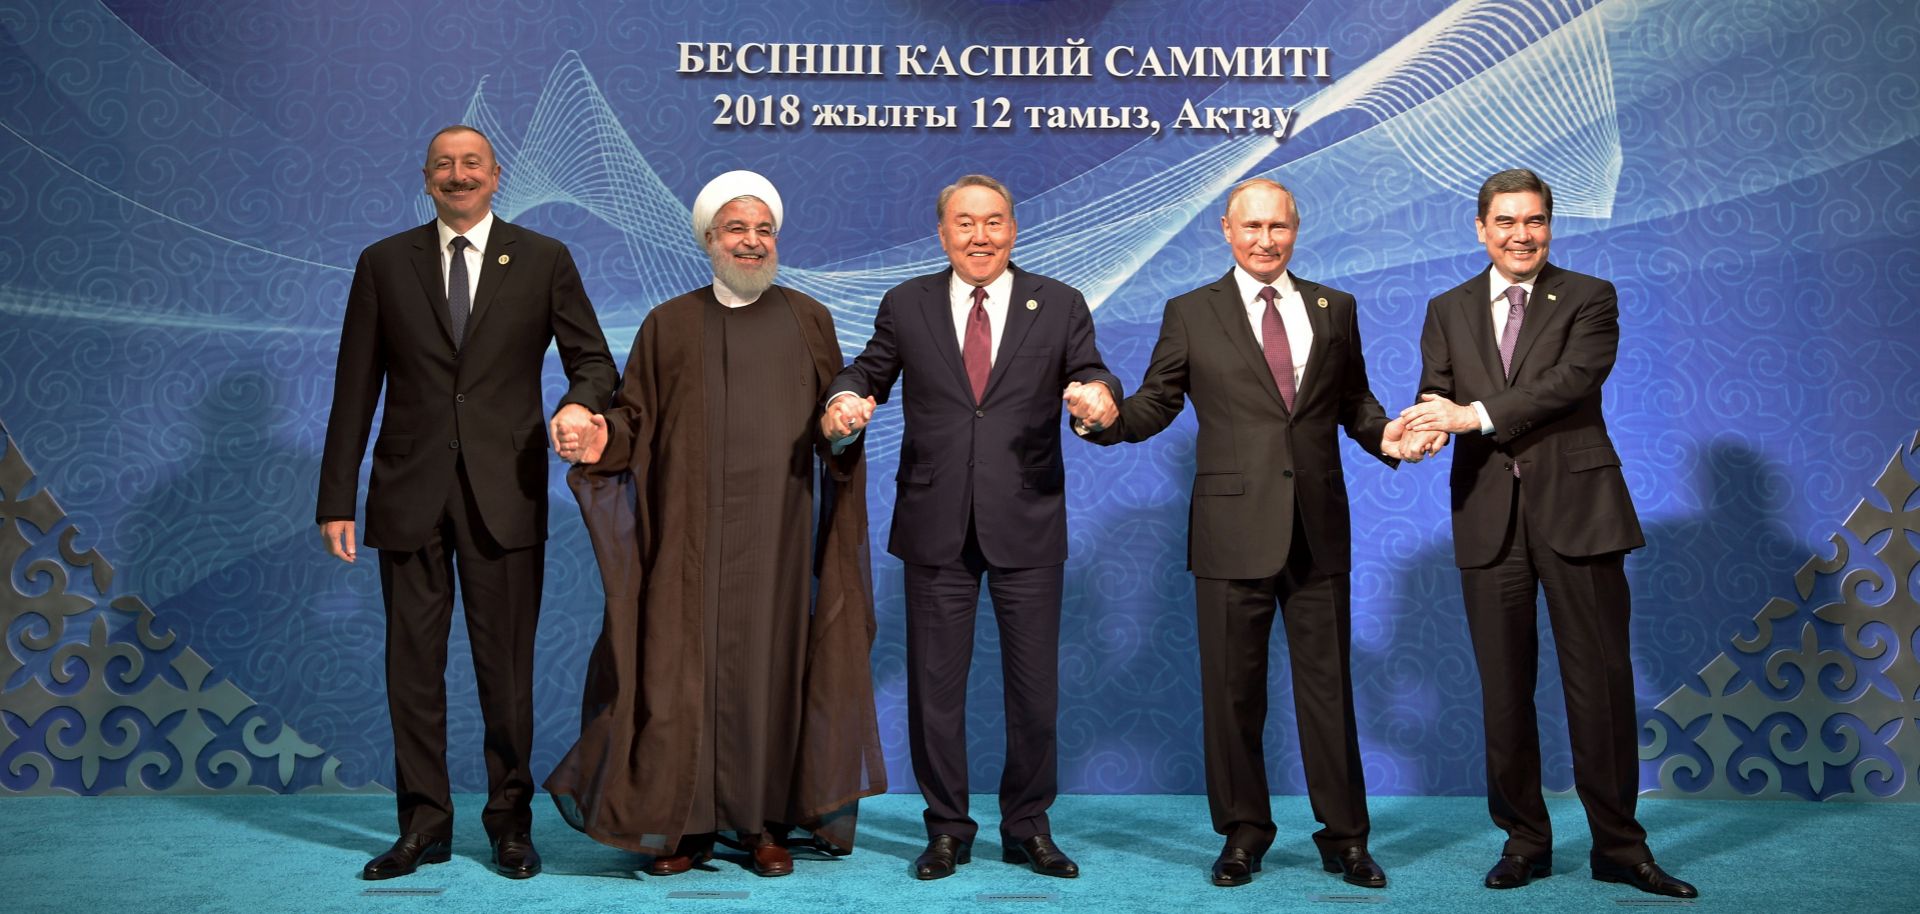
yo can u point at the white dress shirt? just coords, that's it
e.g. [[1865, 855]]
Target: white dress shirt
[[1293, 316], [960, 300], [1499, 307], [476, 252]]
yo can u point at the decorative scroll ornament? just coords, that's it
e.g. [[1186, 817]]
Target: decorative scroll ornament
[[95, 699], [1818, 700]]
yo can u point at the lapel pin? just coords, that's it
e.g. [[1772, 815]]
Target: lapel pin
[[1552, 297], [503, 259], [1032, 305], [1322, 303]]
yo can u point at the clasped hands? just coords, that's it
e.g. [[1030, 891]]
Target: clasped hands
[[1092, 404], [579, 436], [845, 416], [1421, 430]]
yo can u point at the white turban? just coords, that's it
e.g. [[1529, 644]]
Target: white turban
[[723, 190]]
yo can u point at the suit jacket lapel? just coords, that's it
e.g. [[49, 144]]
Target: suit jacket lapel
[[1477, 302], [937, 309], [1312, 296], [426, 264], [1019, 320], [1541, 306], [494, 264], [1232, 314]]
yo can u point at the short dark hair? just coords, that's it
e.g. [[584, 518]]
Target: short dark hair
[[1516, 181], [460, 128], [946, 193]]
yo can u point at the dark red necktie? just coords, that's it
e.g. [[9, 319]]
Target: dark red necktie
[[1273, 342], [976, 351]]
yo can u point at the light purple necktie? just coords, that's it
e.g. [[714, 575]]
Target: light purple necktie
[[1516, 312], [1273, 343]]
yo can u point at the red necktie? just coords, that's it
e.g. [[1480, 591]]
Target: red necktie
[[975, 351], [1273, 342]]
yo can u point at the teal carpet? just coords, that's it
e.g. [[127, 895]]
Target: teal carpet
[[1143, 853]]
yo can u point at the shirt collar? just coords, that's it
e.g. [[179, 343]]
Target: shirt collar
[[1498, 284], [476, 236], [1250, 287], [1000, 290]]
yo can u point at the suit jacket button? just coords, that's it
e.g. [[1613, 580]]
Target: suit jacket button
[[459, 398], [454, 444], [1287, 473], [980, 414], [1507, 466], [969, 463]]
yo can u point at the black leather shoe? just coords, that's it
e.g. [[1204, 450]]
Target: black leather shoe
[[1356, 866], [1234, 866], [407, 855], [1512, 871], [1648, 877], [514, 856], [1040, 852], [943, 853]]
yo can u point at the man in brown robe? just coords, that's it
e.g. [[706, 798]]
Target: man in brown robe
[[726, 694]]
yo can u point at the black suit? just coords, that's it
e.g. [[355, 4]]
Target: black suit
[[1565, 523], [980, 490], [460, 468], [1269, 524]]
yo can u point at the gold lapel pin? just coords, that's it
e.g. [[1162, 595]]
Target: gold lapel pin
[[503, 259], [1322, 303], [1552, 297], [1032, 305]]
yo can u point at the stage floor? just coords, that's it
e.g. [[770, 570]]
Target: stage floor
[[1136, 853]]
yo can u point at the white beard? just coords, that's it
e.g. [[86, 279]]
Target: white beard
[[746, 283]]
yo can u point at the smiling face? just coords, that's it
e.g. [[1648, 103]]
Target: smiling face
[[740, 242], [461, 177], [1261, 224], [1516, 230], [977, 232]]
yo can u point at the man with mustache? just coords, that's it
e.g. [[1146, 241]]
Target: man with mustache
[[1513, 361], [985, 350], [727, 692], [454, 318], [1274, 367]]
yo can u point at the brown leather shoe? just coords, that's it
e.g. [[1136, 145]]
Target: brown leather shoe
[[766, 856], [408, 854], [515, 858], [943, 854], [693, 850]]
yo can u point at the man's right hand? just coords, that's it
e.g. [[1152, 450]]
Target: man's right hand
[[339, 537], [594, 443], [846, 415]]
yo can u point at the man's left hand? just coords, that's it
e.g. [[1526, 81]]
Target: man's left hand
[[1092, 404], [1435, 413], [569, 431]]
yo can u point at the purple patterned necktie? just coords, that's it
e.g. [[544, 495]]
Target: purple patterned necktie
[[1273, 342], [974, 348], [1516, 312]]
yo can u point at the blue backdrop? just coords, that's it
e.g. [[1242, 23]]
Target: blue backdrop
[[184, 189]]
